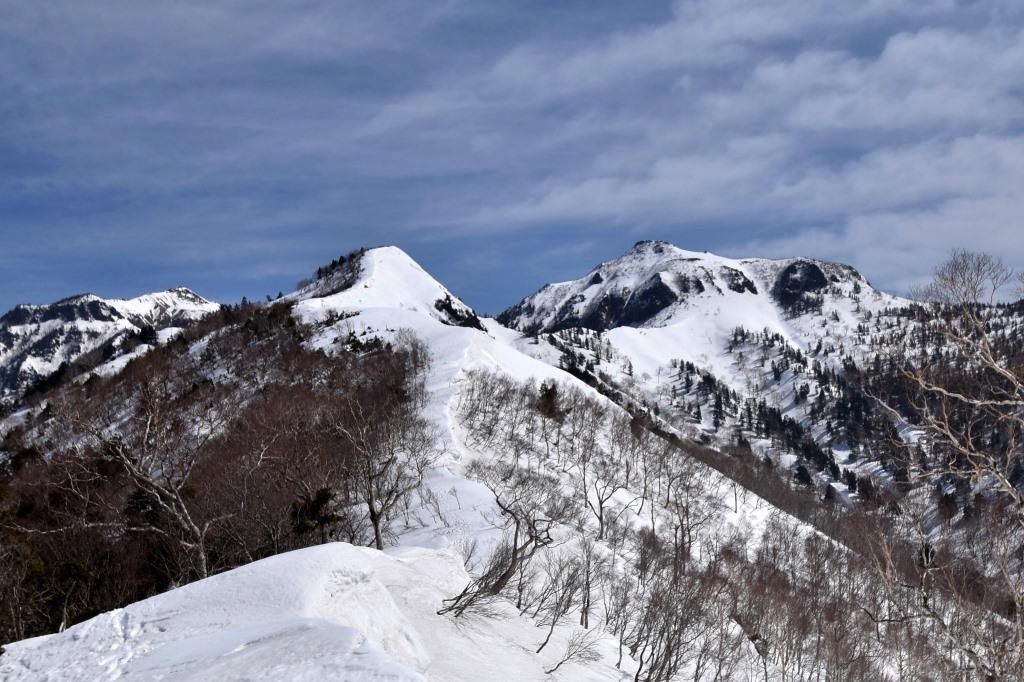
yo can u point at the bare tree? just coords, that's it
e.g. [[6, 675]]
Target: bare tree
[[593, 571], [16, 594], [153, 431], [959, 408], [562, 586], [388, 446], [670, 622], [601, 479], [581, 648], [532, 504], [969, 411], [620, 609]]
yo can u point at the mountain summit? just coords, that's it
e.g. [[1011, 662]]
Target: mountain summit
[[654, 280], [37, 340], [384, 278]]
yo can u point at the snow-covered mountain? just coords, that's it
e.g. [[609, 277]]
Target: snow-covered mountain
[[335, 610], [619, 436], [706, 340], [656, 284], [36, 340], [387, 292]]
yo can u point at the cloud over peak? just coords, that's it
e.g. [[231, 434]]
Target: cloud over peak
[[879, 133]]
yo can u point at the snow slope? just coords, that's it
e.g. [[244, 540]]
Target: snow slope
[[658, 304], [332, 612]]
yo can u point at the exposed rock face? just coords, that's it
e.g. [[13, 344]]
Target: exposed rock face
[[650, 283], [651, 298], [627, 291], [797, 283], [456, 313], [737, 280]]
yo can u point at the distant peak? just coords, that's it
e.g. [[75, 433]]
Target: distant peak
[[653, 245], [660, 249], [187, 295], [182, 291], [76, 298]]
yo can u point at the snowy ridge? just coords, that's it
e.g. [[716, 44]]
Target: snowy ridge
[[655, 282], [393, 293], [328, 612], [35, 340], [177, 305], [331, 612], [339, 612]]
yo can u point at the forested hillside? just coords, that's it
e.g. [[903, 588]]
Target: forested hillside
[[677, 467]]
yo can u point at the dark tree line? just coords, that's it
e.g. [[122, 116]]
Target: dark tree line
[[231, 444]]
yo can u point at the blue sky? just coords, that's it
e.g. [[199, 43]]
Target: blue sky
[[232, 147]]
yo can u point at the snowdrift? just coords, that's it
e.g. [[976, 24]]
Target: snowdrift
[[327, 612]]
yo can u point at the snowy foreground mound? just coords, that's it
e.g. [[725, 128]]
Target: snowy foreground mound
[[333, 612], [328, 612]]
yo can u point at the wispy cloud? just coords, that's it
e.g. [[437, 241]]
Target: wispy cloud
[[248, 138]]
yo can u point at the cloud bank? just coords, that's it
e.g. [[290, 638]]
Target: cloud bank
[[234, 146]]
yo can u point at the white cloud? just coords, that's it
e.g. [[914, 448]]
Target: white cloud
[[887, 130], [880, 150], [897, 250]]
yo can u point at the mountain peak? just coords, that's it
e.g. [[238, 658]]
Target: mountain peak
[[37, 340], [654, 281], [186, 293], [652, 245], [387, 278]]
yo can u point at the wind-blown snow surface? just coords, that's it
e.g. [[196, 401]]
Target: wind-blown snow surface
[[332, 612], [320, 613]]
